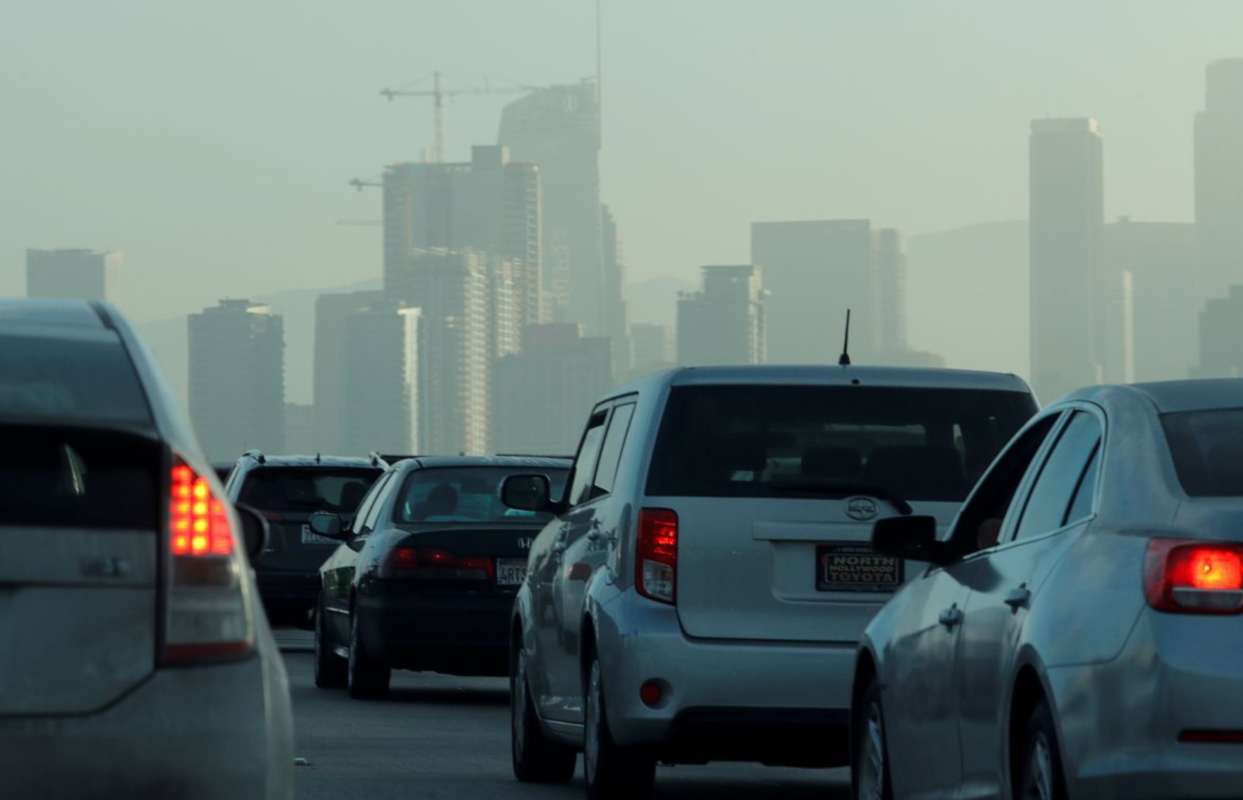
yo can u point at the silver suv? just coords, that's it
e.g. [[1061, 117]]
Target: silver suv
[[700, 594]]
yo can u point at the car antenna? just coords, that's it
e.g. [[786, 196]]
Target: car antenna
[[844, 361], [317, 455]]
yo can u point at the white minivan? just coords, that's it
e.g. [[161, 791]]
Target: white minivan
[[702, 589]]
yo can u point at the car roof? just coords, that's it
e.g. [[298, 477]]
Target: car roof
[[1194, 395], [50, 312], [521, 462], [833, 375]]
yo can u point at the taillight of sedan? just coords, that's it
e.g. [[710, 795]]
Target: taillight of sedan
[[1188, 577]]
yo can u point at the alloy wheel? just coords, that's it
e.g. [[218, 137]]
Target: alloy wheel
[[872, 767], [1040, 771]]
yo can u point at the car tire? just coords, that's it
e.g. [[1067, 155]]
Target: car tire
[[1040, 769], [367, 678], [536, 758], [869, 749], [612, 772], [330, 668]]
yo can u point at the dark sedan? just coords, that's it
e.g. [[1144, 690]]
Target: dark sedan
[[426, 574]]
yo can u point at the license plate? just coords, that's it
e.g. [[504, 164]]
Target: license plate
[[511, 571], [855, 568], [314, 538]]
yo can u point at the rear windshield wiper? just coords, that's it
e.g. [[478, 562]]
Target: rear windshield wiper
[[846, 490]]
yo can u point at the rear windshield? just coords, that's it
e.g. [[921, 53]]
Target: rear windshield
[[824, 441], [467, 495], [57, 477], [337, 490], [1208, 451], [86, 378]]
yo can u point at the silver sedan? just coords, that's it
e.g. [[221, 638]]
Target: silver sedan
[[1077, 633]]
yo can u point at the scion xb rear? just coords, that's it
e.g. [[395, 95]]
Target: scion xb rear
[[703, 589]]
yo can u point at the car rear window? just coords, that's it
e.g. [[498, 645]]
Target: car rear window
[[337, 490], [467, 495], [783, 441], [1207, 447], [63, 477], [85, 377]]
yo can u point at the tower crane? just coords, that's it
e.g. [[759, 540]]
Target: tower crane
[[438, 93]]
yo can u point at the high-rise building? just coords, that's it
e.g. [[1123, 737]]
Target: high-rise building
[[725, 322], [86, 274], [331, 311], [558, 128], [300, 428], [237, 379], [1067, 222], [1221, 330], [814, 271], [543, 395], [1160, 258], [380, 394], [653, 348], [614, 303], [491, 205], [891, 290], [1219, 178], [451, 289]]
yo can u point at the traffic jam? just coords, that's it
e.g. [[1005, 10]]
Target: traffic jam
[[919, 578]]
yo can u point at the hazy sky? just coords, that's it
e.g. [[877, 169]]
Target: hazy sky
[[213, 141]]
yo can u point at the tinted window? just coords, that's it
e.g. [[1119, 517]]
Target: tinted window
[[71, 478], [1081, 506], [1208, 451], [761, 441], [307, 489], [610, 453], [86, 377], [585, 463], [367, 516], [466, 495], [1049, 500]]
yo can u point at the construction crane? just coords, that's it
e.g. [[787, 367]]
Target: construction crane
[[438, 93], [362, 183]]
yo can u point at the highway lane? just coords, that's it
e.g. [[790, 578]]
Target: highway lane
[[443, 737]]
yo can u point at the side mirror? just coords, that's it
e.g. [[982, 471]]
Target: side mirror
[[912, 538], [328, 525], [527, 492], [254, 530]]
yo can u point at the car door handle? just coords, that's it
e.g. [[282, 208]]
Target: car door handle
[[1018, 598], [951, 617]]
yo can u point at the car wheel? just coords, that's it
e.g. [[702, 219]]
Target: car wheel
[[869, 761], [330, 669], [1040, 771], [367, 678], [537, 759], [612, 772]]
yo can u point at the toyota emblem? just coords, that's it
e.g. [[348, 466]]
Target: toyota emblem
[[862, 508]]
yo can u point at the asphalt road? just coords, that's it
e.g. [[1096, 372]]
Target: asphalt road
[[443, 737]]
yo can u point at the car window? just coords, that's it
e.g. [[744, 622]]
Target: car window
[[364, 509], [337, 490], [1049, 500], [1085, 492], [469, 494], [1207, 447], [377, 503], [611, 451], [979, 524], [780, 441], [585, 462]]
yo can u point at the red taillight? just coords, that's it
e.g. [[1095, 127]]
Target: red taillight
[[1194, 577], [435, 564], [1211, 737], [656, 554], [197, 520]]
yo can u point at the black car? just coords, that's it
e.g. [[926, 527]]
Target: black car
[[288, 490], [425, 577]]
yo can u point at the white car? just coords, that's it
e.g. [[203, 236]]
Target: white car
[[135, 659], [701, 591], [1077, 632]]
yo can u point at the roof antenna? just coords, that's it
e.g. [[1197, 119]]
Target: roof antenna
[[844, 361]]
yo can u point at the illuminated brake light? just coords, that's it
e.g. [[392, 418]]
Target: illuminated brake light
[[197, 520], [1194, 577], [656, 554], [435, 564]]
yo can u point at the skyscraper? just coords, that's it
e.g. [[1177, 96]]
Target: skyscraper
[[891, 290], [237, 379], [1067, 220], [1219, 178], [1221, 330], [86, 274], [652, 348], [380, 391], [558, 128], [331, 311], [614, 304], [725, 322]]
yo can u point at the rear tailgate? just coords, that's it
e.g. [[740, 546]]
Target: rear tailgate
[[440, 551], [79, 521]]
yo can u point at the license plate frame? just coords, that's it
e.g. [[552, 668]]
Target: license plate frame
[[856, 567], [511, 571], [314, 538]]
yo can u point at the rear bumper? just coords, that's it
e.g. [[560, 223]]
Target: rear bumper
[[194, 732], [463, 635], [772, 702], [286, 586]]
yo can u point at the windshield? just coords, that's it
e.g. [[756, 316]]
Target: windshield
[[1207, 447], [307, 489], [467, 495], [761, 441]]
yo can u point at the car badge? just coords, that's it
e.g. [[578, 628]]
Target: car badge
[[862, 508], [525, 543]]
